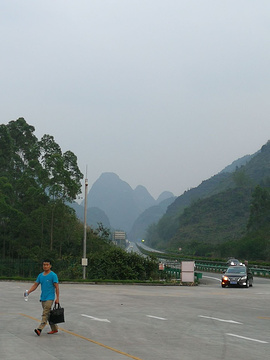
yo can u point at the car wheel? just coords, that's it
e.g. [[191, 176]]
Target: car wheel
[[247, 286], [223, 285]]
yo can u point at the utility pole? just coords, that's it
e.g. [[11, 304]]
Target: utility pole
[[84, 259]]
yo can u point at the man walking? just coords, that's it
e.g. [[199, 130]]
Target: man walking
[[49, 288]]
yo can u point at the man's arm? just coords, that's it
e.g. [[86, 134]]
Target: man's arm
[[33, 287], [56, 292]]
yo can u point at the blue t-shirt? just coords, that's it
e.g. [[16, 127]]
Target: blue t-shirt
[[47, 285]]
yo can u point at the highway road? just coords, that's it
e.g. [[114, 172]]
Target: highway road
[[132, 247], [120, 322]]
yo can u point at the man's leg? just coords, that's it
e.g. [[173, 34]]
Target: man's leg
[[46, 305], [54, 327]]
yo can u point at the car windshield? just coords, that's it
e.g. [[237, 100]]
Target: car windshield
[[236, 270], [233, 262]]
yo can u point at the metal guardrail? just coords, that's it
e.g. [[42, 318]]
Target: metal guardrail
[[260, 272], [176, 273], [213, 266], [173, 267], [220, 268], [20, 268], [210, 267]]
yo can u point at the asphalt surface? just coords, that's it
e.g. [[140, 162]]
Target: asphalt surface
[[121, 322]]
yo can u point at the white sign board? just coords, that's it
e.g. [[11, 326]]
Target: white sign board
[[84, 261], [187, 266], [187, 271]]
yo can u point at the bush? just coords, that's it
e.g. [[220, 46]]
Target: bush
[[117, 264]]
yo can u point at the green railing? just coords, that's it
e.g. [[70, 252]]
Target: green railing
[[256, 271], [173, 272], [19, 268], [210, 267], [260, 272], [26, 268], [30, 269], [173, 269]]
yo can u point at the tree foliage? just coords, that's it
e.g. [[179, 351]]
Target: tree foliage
[[255, 244], [259, 209], [115, 263], [204, 224], [232, 223], [36, 180]]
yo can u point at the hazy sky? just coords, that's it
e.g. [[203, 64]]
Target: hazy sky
[[163, 93]]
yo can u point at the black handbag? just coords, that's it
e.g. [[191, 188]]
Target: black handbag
[[56, 315]]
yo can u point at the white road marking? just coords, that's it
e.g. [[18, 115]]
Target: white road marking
[[211, 277], [213, 318], [96, 319], [246, 338], [265, 293], [156, 317]]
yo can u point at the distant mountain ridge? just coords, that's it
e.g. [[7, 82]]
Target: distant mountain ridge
[[212, 186], [116, 204], [93, 216], [118, 200], [149, 216], [112, 202], [217, 210], [238, 163]]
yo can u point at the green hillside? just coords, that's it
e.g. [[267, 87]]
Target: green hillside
[[219, 218], [215, 213]]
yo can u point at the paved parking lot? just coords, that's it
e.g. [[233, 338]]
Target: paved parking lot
[[113, 322]]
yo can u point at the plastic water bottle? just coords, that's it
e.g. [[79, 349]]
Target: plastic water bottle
[[26, 295]]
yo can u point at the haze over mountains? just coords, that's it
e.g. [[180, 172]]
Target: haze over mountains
[[112, 202], [117, 206], [216, 212]]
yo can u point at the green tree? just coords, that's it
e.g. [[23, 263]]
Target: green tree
[[6, 151], [36, 180], [62, 180], [259, 209], [241, 179]]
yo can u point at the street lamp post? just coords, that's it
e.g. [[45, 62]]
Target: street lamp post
[[84, 259]]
